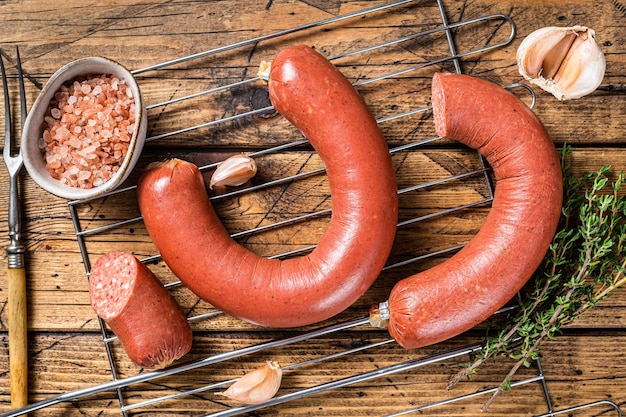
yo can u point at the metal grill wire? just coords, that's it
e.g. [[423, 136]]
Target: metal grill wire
[[83, 234]]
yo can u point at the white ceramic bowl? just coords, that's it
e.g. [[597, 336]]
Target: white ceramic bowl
[[34, 126]]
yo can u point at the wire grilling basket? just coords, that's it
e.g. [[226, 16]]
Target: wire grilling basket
[[435, 45]]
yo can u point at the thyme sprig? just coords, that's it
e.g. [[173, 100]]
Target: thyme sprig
[[585, 263]]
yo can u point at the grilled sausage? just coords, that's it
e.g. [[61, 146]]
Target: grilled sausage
[[466, 289], [313, 95], [139, 310]]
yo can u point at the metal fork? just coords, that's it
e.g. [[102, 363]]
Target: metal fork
[[16, 273]]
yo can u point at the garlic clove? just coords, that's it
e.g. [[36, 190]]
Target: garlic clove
[[582, 65], [544, 44], [564, 61], [233, 171], [256, 386]]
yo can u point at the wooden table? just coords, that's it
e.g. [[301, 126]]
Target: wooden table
[[587, 363]]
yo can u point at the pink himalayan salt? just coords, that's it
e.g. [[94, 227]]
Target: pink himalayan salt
[[88, 128]]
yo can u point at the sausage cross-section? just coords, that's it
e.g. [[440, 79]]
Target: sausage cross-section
[[466, 289], [139, 310], [315, 97]]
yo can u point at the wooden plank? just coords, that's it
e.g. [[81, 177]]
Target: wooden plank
[[77, 361], [123, 32]]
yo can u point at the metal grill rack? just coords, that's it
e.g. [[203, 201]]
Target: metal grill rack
[[443, 32]]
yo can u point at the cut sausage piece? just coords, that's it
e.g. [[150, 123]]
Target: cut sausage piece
[[466, 289], [311, 93], [139, 310]]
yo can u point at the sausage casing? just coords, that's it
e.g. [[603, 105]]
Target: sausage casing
[[313, 95], [466, 289], [140, 311]]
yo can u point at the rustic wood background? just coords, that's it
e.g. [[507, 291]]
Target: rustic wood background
[[66, 352]]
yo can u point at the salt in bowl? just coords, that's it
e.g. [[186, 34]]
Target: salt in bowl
[[34, 126]]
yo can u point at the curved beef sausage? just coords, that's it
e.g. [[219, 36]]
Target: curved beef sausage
[[313, 95], [466, 289]]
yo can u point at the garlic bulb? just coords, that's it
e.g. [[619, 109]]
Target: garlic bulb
[[566, 62], [233, 171], [256, 386]]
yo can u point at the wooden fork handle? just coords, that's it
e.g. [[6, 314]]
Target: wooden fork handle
[[18, 341]]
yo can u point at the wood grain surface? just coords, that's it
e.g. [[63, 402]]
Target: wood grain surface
[[587, 363]]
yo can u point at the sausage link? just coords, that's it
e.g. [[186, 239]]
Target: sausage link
[[466, 289], [313, 95], [139, 310]]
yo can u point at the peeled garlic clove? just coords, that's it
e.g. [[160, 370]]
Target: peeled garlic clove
[[256, 386], [233, 171], [566, 62]]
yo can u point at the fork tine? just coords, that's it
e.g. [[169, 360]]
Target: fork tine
[[7, 111], [22, 89]]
